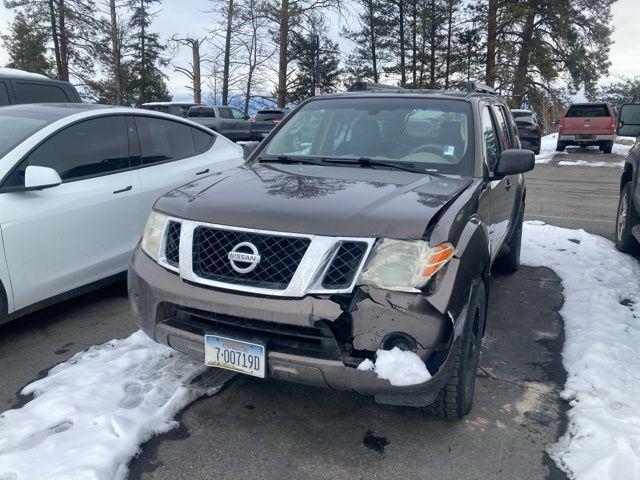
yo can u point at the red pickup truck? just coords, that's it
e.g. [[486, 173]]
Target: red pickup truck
[[587, 124]]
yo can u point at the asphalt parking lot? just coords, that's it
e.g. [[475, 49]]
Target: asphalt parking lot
[[268, 429]]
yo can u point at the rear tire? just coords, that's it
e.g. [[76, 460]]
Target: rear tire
[[626, 219], [606, 147], [510, 263], [456, 398], [560, 147]]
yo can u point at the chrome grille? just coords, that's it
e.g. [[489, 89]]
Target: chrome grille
[[280, 257]]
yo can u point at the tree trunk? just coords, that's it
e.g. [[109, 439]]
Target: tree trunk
[[64, 42], [227, 55], [432, 46], [115, 52], [143, 61], [197, 83], [372, 41], [414, 43], [520, 77], [54, 36], [492, 27], [283, 40], [447, 68], [403, 70]]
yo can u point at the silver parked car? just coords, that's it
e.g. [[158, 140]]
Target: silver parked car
[[228, 121]]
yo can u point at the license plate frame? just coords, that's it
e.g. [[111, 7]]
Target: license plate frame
[[241, 355]]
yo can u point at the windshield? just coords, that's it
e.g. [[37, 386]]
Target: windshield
[[14, 129], [434, 134]]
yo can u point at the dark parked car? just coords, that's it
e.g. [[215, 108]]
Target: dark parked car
[[17, 86], [265, 120], [628, 217], [529, 129], [231, 122], [179, 109], [365, 222]]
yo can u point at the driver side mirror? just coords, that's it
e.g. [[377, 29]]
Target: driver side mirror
[[514, 161], [39, 178], [629, 120]]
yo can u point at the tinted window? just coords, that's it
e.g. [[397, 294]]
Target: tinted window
[[490, 136], [432, 133], [268, 115], [588, 111], [14, 129], [237, 113], [163, 140], [4, 94], [38, 93], [503, 127], [225, 112], [157, 108], [203, 140], [93, 147], [202, 112]]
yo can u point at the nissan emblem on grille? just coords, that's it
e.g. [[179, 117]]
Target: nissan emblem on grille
[[243, 261]]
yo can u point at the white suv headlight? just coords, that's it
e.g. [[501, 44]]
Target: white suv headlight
[[403, 265], [152, 236]]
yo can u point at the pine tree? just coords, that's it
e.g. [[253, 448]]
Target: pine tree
[[26, 44]]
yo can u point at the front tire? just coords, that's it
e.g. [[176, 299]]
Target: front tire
[[456, 398], [625, 221]]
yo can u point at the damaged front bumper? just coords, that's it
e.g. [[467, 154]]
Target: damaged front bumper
[[314, 340]]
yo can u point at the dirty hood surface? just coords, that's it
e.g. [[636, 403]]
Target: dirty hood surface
[[321, 200]]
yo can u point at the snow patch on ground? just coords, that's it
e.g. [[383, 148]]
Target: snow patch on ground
[[623, 145], [91, 413], [585, 163], [601, 313], [548, 148], [399, 367]]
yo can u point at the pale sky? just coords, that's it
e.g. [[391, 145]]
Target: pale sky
[[190, 17]]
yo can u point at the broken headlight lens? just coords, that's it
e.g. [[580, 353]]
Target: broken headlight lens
[[152, 236], [404, 266]]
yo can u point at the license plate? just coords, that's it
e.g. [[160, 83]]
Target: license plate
[[236, 355], [586, 137]]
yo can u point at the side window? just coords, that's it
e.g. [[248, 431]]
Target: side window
[[225, 112], [490, 136], [163, 140], [503, 127], [203, 140], [4, 94], [27, 92], [93, 147], [237, 113]]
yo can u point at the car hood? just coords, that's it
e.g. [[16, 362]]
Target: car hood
[[320, 200]]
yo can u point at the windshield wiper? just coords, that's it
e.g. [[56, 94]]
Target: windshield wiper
[[370, 162], [286, 159]]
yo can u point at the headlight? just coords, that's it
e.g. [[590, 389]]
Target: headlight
[[403, 265], [152, 236]]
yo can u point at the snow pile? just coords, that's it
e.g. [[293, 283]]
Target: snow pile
[[602, 322], [399, 367], [548, 148], [585, 163], [623, 145], [91, 413]]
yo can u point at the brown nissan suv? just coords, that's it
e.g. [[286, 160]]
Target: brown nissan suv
[[353, 250]]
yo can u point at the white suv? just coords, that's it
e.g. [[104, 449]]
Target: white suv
[[77, 183]]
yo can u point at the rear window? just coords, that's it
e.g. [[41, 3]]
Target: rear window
[[27, 92], [157, 108], [265, 115], [588, 111]]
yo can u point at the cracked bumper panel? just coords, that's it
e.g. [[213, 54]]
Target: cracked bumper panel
[[373, 315]]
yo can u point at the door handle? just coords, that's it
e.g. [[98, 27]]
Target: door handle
[[202, 172], [126, 189], [507, 185]]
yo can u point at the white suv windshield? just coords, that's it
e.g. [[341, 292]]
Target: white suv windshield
[[14, 129], [435, 134]]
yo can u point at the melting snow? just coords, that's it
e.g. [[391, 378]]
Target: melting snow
[[601, 313], [399, 367], [585, 163], [548, 148], [91, 413]]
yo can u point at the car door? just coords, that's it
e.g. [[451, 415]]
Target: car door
[[174, 153], [61, 238], [498, 191], [242, 124], [4, 94], [227, 124]]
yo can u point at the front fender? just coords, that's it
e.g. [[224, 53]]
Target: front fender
[[5, 280]]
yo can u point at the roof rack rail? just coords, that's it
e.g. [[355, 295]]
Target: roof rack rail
[[361, 86], [477, 87]]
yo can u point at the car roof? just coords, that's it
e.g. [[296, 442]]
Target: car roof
[[167, 104], [404, 92], [15, 73], [520, 110]]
